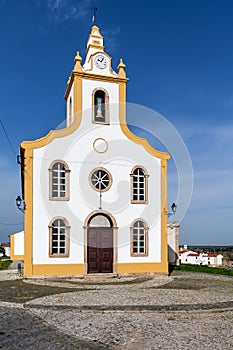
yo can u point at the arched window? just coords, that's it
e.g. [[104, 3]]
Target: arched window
[[100, 107], [139, 238], [139, 185], [59, 181], [59, 232]]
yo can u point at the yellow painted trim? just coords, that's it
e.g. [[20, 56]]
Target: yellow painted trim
[[12, 247], [78, 269], [53, 134], [142, 268], [144, 143], [94, 46], [77, 119], [28, 213], [57, 269], [128, 133], [93, 29], [77, 96], [91, 76], [17, 257], [164, 239]]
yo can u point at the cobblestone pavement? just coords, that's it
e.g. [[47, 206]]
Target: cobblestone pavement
[[185, 311]]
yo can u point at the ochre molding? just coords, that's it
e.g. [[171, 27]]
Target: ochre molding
[[77, 120], [28, 212], [92, 76], [53, 134], [94, 46], [57, 269], [144, 267], [77, 96], [163, 214]]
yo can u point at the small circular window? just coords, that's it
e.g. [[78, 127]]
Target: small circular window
[[100, 179]]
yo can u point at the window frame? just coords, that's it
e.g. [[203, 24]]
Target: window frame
[[67, 181], [109, 176], [146, 233], [106, 106], [145, 187], [67, 238]]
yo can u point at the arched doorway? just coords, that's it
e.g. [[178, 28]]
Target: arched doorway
[[100, 255]]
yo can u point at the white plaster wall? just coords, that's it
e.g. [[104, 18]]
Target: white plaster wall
[[71, 95], [77, 150], [219, 259], [171, 235], [193, 260], [19, 243], [184, 256]]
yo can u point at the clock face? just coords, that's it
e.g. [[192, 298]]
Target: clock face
[[101, 61]]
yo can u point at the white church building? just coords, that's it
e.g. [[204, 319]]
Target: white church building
[[95, 194]]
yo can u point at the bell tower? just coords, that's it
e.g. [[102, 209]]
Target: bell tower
[[95, 85]]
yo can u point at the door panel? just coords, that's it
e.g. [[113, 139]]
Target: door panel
[[100, 249]]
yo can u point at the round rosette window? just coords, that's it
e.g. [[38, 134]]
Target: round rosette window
[[100, 179]]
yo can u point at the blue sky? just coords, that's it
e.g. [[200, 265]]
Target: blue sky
[[179, 56]]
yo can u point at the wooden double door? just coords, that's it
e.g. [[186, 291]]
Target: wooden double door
[[100, 249]]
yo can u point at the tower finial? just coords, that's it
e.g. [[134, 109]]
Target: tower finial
[[94, 15]]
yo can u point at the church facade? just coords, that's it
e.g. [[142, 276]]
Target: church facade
[[95, 194]]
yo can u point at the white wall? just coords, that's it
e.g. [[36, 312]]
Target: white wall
[[19, 243], [173, 242], [77, 150]]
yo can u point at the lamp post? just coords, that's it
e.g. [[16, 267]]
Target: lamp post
[[20, 202]]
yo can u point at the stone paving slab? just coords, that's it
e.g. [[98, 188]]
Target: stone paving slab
[[185, 311], [20, 329]]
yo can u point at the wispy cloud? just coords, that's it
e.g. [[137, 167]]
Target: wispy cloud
[[64, 10], [110, 38]]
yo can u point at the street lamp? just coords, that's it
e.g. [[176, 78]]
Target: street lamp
[[20, 202], [173, 207]]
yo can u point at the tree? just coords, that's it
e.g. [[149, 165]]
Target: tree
[[2, 251]]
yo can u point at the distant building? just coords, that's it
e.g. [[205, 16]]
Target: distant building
[[17, 246], [191, 257]]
